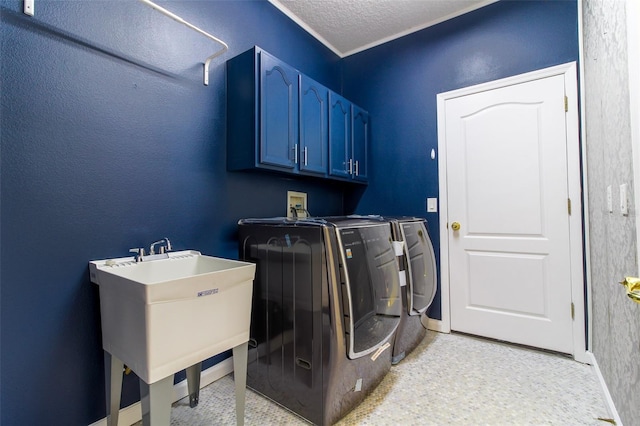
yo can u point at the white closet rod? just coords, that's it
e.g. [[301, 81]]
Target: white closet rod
[[193, 27]]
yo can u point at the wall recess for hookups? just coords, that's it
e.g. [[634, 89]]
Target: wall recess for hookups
[[297, 204]]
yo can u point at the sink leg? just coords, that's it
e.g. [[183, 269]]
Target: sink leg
[[193, 383], [113, 387], [240, 379], [156, 402]]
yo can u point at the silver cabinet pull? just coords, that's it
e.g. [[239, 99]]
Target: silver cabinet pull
[[295, 153], [305, 155], [350, 169], [357, 168]]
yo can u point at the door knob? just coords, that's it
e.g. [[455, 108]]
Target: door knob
[[632, 285], [455, 226]]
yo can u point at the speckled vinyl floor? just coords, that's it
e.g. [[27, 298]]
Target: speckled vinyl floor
[[450, 379]]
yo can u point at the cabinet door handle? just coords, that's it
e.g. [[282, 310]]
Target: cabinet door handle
[[295, 153], [305, 155], [357, 169], [350, 169]]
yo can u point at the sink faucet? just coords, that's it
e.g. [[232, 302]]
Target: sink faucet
[[165, 246]]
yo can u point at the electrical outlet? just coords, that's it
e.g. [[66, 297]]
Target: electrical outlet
[[297, 204]]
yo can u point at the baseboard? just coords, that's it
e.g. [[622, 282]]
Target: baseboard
[[133, 413], [605, 390]]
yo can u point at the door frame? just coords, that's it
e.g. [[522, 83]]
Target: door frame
[[574, 161], [633, 55]]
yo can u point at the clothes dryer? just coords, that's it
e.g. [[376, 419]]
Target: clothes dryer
[[417, 265], [326, 305]]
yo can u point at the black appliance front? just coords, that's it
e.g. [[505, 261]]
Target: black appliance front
[[305, 353]]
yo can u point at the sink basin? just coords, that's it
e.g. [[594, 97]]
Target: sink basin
[[170, 311]]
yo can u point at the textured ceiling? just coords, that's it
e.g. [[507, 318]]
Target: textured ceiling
[[351, 26]]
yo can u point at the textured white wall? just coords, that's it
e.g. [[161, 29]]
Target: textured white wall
[[616, 319]]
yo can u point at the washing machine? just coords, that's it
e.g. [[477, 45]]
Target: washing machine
[[418, 278], [326, 306]]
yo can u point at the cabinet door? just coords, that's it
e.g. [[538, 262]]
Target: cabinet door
[[360, 142], [278, 113], [314, 139], [339, 136]]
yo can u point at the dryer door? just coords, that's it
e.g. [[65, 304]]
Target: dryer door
[[371, 291], [421, 264]]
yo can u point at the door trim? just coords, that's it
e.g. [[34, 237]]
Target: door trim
[[633, 58], [569, 71]]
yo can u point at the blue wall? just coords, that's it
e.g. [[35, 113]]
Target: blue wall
[[404, 76], [110, 141]]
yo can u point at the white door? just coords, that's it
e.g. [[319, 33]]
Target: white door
[[507, 188]]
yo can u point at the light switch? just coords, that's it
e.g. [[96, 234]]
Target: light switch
[[432, 205], [609, 200], [624, 205]]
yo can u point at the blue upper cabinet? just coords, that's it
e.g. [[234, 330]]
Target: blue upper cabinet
[[279, 84], [262, 112], [313, 126], [281, 120], [340, 160], [348, 139], [359, 142]]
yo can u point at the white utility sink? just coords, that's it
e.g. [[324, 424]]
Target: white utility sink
[[169, 312], [164, 315]]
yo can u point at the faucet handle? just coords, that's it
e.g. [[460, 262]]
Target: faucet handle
[[139, 253]]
